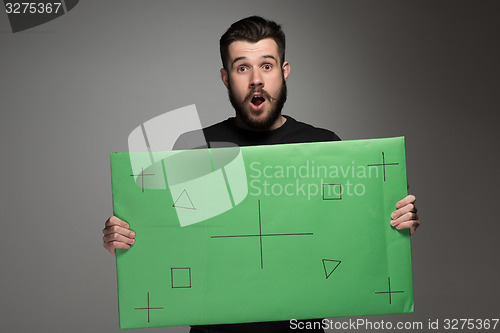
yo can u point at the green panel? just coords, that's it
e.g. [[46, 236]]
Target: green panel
[[311, 239]]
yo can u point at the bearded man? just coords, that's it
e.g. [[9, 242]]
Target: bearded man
[[255, 74]]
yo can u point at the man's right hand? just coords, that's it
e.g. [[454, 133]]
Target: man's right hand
[[117, 235]]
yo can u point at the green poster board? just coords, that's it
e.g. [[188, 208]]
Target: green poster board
[[263, 233]]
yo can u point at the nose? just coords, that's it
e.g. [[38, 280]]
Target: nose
[[256, 80]]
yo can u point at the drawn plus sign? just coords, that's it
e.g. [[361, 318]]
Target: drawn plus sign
[[149, 308], [383, 164], [260, 235], [389, 292], [142, 174]]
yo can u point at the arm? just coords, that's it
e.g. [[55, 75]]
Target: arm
[[117, 235], [405, 216]]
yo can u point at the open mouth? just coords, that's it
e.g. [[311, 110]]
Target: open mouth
[[257, 100]]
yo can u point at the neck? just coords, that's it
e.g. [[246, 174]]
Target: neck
[[277, 124]]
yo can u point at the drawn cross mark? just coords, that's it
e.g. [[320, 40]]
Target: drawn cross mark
[[260, 235], [383, 164], [389, 292], [142, 174], [148, 308]]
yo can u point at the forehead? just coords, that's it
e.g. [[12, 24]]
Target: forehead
[[263, 47]]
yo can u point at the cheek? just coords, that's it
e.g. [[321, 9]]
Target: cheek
[[238, 86], [275, 78], [275, 83]]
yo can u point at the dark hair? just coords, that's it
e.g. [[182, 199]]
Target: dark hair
[[252, 29]]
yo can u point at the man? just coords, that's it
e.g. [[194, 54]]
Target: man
[[255, 74]]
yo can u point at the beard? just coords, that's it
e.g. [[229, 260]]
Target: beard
[[277, 104]]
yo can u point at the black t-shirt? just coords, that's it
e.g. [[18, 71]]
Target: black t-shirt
[[291, 131]]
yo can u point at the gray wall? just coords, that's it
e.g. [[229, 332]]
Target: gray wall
[[73, 89]]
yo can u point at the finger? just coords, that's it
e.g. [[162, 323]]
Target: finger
[[114, 229], [404, 218], [405, 201], [403, 210], [113, 220], [111, 246], [412, 225], [118, 238]]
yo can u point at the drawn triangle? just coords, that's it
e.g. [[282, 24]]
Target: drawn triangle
[[184, 201], [330, 263]]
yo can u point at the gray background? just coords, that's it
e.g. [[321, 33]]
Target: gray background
[[73, 89]]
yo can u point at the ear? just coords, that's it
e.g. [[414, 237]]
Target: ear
[[286, 69], [224, 77]]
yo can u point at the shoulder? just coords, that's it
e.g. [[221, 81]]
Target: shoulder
[[219, 127], [199, 138], [310, 133]]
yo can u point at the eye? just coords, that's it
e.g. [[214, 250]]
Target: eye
[[241, 69], [267, 67]]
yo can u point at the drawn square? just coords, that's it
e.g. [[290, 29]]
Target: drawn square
[[181, 277], [332, 192]]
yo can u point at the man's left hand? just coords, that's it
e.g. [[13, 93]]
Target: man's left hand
[[405, 216]]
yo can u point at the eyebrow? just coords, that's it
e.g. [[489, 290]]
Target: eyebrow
[[268, 56]]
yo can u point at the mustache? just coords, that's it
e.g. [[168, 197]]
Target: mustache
[[260, 91]]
